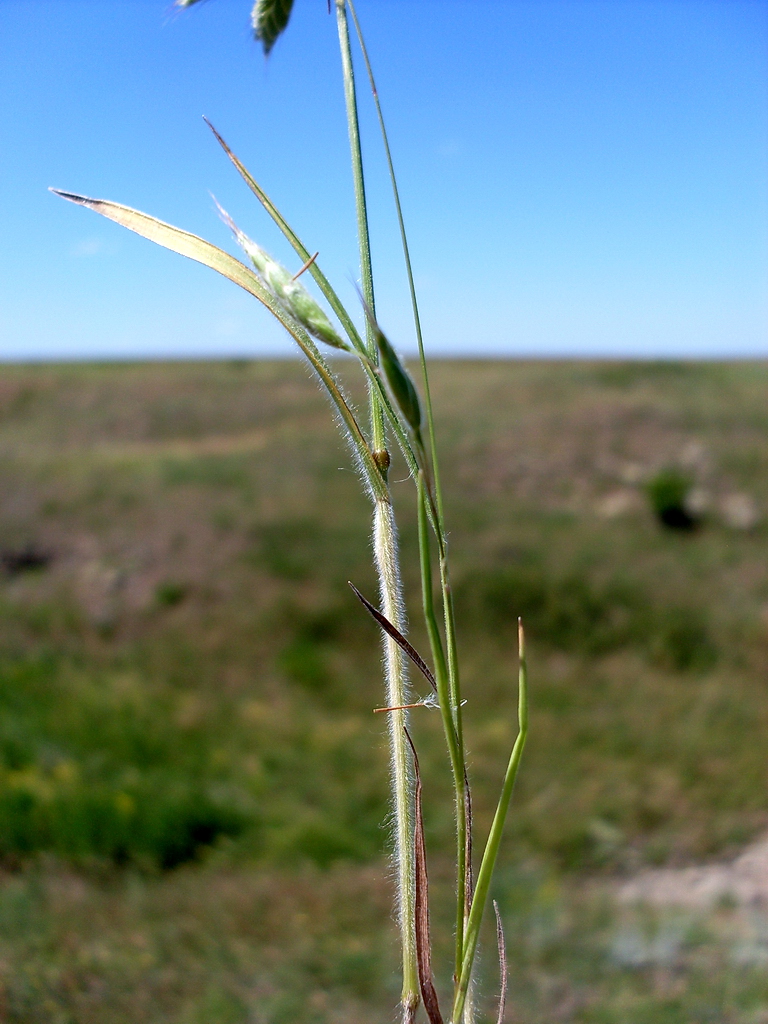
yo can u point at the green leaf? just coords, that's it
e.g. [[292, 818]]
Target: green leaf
[[299, 247], [269, 18], [209, 255], [493, 843]]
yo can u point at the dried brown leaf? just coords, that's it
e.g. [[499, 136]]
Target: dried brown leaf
[[421, 912], [469, 887], [398, 637], [502, 963]]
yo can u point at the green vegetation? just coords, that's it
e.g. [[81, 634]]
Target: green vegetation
[[192, 783], [669, 492]]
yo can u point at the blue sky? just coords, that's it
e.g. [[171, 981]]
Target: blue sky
[[579, 177]]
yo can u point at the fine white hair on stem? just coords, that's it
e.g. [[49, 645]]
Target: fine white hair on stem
[[469, 1006], [388, 570], [362, 469]]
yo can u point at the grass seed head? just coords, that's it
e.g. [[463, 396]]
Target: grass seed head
[[289, 292], [311, 315], [400, 382], [269, 19]]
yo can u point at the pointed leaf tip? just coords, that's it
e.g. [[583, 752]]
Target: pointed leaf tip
[[176, 240], [71, 196]]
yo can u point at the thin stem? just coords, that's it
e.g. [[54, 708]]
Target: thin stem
[[364, 241], [449, 620], [445, 583], [435, 640], [494, 839], [408, 268], [444, 698]]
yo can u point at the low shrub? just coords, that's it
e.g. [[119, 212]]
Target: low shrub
[[150, 823], [669, 494]]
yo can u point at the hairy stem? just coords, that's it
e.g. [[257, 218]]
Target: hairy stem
[[454, 687], [387, 565], [408, 269]]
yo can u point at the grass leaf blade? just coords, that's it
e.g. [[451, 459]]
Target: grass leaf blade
[[173, 238], [333, 301], [298, 246], [494, 838], [198, 249]]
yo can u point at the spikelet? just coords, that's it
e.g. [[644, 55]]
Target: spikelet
[[269, 18], [400, 382], [289, 292]]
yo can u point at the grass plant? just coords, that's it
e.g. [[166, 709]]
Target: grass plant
[[255, 691], [394, 414], [184, 692]]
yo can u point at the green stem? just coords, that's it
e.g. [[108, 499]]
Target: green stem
[[494, 841], [449, 620], [444, 698], [447, 596], [364, 240], [409, 271]]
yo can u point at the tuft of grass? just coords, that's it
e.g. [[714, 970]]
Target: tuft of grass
[[170, 593], [669, 493]]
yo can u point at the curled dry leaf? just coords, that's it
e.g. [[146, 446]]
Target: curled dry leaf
[[502, 963], [398, 637], [469, 888]]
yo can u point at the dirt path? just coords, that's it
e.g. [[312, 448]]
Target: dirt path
[[743, 882]]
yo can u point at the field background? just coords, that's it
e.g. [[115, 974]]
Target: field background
[[192, 783]]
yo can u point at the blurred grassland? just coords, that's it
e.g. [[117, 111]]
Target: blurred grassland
[[192, 784]]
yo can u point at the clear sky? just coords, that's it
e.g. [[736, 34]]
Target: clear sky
[[579, 177]]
